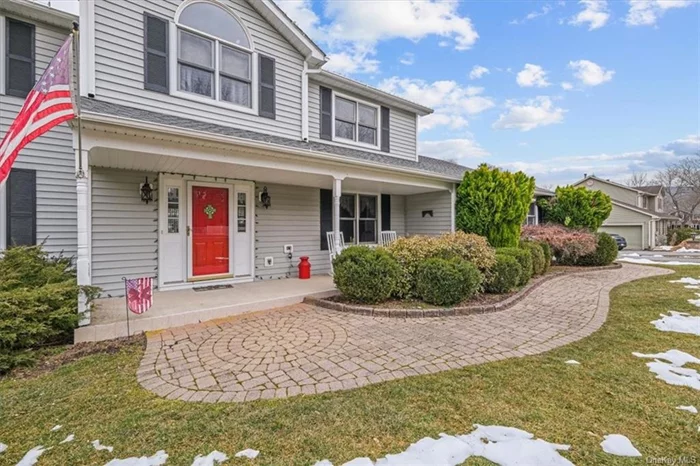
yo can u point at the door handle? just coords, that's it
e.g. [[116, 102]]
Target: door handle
[[189, 230]]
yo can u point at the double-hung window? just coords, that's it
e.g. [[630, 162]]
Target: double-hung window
[[214, 55], [532, 215], [358, 218], [356, 121], [20, 55]]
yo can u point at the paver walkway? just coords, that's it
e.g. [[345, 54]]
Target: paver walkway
[[303, 349]]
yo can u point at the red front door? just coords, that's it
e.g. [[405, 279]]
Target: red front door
[[210, 231]]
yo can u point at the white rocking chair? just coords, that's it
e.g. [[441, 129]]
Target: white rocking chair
[[332, 252], [386, 238]]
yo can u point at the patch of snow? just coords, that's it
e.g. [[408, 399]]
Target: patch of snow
[[695, 302], [619, 445], [673, 372], [684, 249], [687, 280], [3, 447], [55, 428], [506, 446], [641, 261], [663, 248], [690, 409], [212, 459], [32, 456], [678, 322], [70, 438], [247, 453], [98, 447], [573, 362], [156, 460], [631, 254]]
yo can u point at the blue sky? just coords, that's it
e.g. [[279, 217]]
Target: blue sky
[[557, 89]]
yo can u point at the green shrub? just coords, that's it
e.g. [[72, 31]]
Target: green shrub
[[412, 250], [38, 304], [678, 235], [446, 282], [605, 253], [547, 251], [577, 208], [524, 257], [365, 275], [504, 276], [567, 245], [538, 265], [494, 204]]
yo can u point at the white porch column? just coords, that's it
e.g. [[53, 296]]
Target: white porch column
[[453, 208], [337, 192], [83, 260]]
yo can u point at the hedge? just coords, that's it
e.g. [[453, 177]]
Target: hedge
[[538, 258], [366, 275], [445, 282], [605, 253], [524, 257], [504, 276]]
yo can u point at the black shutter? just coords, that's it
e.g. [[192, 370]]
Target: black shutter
[[326, 216], [155, 54], [20, 74], [21, 208], [386, 212], [267, 87], [326, 113], [386, 135]]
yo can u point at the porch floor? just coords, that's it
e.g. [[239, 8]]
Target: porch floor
[[183, 307]]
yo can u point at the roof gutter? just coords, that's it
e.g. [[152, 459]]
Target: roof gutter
[[156, 127]]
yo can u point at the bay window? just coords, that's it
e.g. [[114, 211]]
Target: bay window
[[358, 218], [356, 121]]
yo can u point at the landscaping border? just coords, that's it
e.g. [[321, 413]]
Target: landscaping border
[[450, 311]]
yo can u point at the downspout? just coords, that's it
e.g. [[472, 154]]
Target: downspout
[[305, 102]]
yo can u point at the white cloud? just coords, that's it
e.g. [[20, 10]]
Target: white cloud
[[595, 14], [536, 112], [407, 58], [70, 6], [454, 150], [532, 15], [532, 76], [617, 166], [589, 73], [647, 12], [453, 103], [567, 86], [353, 61], [478, 71]]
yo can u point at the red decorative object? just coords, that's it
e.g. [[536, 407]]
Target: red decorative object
[[304, 268]]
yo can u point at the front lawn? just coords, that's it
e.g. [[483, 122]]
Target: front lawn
[[97, 397]]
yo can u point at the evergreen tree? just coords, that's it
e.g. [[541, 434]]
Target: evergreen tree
[[577, 208]]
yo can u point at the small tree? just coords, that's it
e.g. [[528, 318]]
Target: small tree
[[494, 204], [577, 208]]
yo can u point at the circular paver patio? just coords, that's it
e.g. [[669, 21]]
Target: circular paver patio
[[304, 349]]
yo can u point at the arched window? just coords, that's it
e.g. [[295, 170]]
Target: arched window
[[214, 54]]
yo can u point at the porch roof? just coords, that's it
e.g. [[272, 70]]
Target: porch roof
[[424, 165]]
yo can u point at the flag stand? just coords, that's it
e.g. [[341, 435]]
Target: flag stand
[[126, 300]]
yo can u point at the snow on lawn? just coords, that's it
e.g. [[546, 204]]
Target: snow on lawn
[[3, 447], [673, 372], [619, 445], [634, 260], [212, 459], [695, 302], [247, 453], [32, 456], [631, 254], [678, 322], [687, 281], [690, 409], [506, 446], [684, 249], [98, 447], [70, 438], [156, 460], [55, 428], [573, 362]]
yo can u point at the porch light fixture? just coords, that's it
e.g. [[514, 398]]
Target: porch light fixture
[[146, 191], [265, 198]]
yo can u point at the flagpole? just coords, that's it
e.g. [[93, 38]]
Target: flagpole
[[126, 299], [76, 56]]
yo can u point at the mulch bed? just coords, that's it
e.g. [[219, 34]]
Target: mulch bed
[[478, 305]]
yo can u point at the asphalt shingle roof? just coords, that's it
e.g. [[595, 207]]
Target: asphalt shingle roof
[[424, 164]]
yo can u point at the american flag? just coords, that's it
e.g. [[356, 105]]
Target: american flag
[[139, 294], [48, 104]]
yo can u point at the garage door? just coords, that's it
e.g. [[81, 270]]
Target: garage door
[[633, 234]]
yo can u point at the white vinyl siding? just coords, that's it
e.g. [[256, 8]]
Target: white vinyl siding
[[119, 67], [402, 127], [440, 222], [398, 215], [294, 218], [51, 155], [124, 229]]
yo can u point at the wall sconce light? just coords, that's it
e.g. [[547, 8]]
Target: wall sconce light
[[426, 213], [146, 191], [265, 198]]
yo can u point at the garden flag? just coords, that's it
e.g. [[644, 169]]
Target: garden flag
[[139, 294], [48, 104]]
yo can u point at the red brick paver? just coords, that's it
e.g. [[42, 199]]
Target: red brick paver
[[306, 350]]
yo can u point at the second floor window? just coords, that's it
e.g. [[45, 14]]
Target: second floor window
[[20, 74], [214, 55], [356, 121]]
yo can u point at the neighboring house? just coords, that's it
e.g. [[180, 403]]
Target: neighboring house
[[638, 212], [535, 215], [212, 140]]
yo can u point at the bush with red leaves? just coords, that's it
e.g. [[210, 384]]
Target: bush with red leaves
[[567, 244]]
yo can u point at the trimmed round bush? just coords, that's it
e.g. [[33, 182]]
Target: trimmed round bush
[[365, 275], [538, 260], [547, 251], [504, 276], [524, 257], [446, 282], [605, 253]]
